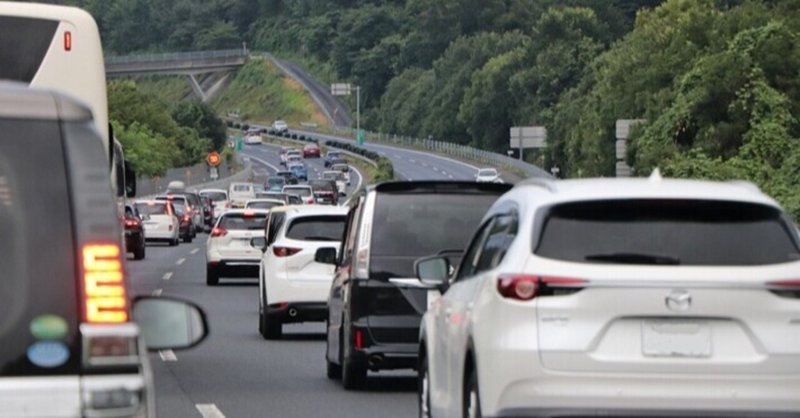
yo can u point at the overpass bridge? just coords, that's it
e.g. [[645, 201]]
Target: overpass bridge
[[189, 64]]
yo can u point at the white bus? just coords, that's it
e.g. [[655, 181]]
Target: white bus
[[58, 48]]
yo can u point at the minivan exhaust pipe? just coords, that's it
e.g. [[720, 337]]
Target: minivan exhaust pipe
[[374, 361], [292, 312]]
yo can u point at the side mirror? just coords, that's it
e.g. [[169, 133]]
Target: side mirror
[[325, 255], [259, 242], [169, 324], [432, 270], [130, 180]]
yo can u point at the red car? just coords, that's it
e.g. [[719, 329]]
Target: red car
[[311, 150]]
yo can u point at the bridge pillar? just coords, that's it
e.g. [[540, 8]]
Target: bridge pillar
[[196, 88]]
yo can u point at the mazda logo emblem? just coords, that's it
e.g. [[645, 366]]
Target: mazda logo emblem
[[679, 301]]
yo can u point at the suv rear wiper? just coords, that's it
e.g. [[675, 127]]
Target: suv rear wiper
[[634, 258]]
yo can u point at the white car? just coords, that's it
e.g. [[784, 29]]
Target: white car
[[159, 221], [219, 198], [266, 204], [338, 177], [344, 169], [618, 297], [280, 126], [283, 153], [293, 158], [239, 193], [293, 286], [304, 191], [488, 175], [252, 139], [229, 252]]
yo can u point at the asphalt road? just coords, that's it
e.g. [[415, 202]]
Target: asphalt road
[[235, 373]]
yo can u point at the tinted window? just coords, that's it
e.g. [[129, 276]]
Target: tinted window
[[416, 225], [501, 234], [322, 185], [23, 45], [275, 224], [317, 228], [152, 209], [37, 250], [469, 263], [685, 232], [294, 200], [300, 191], [243, 222], [263, 205], [179, 206], [215, 196]]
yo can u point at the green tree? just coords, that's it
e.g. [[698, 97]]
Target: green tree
[[201, 117]]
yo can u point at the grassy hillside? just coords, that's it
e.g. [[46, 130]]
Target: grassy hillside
[[261, 93], [168, 89]]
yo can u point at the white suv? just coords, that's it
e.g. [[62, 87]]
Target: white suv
[[612, 297], [228, 249], [296, 268]]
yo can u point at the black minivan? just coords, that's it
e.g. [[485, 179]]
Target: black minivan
[[372, 323]]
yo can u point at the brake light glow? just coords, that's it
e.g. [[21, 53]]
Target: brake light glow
[[285, 251], [131, 223], [186, 218], [784, 284], [248, 214], [359, 339], [218, 232], [527, 286], [67, 41], [104, 286]]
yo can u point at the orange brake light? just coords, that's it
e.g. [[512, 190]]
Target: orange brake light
[[104, 284]]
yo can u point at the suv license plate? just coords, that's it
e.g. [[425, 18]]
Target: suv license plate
[[676, 338]]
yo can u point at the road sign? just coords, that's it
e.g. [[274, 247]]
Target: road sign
[[620, 148], [528, 137], [238, 143], [360, 137], [213, 159], [214, 173], [340, 89], [622, 169]]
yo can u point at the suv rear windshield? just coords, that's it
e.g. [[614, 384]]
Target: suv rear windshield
[[317, 228], [215, 196], [152, 208], [300, 191], [263, 205], [671, 232], [243, 222]]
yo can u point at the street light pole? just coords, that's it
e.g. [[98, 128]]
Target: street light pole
[[358, 111]]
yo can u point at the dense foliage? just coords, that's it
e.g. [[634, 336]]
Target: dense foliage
[[715, 80], [157, 136]]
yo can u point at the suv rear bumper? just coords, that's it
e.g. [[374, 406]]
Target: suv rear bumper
[[235, 268], [387, 356], [299, 312]]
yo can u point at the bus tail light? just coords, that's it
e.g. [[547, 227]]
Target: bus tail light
[[105, 301]]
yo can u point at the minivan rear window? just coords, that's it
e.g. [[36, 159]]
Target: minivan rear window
[[215, 196], [668, 232], [152, 208], [415, 225], [317, 228]]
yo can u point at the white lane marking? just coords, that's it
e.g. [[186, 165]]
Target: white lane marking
[[424, 164], [180, 261], [360, 177], [168, 355], [167, 276], [266, 164], [209, 410], [436, 169], [194, 251], [411, 160], [158, 292], [450, 176]]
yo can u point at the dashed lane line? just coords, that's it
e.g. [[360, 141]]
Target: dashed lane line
[[167, 276], [168, 355], [209, 410], [180, 261], [194, 251], [158, 292]]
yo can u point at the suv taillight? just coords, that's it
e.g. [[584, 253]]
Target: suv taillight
[[527, 286], [285, 251], [131, 223], [218, 232], [105, 300], [785, 288]]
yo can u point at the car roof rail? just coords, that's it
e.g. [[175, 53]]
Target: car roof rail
[[545, 183]]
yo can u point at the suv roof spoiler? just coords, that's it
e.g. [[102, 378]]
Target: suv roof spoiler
[[440, 186]]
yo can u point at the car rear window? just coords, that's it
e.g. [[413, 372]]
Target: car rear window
[[415, 225], [317, 228], [243, 222], [152, 209], [263, 205], [215, 196], [242, 188], [37, 251], [670, 232], [300, 191]]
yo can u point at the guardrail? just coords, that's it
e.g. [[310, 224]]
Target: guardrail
[[177, 56], [455, 150]]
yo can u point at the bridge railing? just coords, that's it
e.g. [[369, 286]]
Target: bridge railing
[[176, 56]]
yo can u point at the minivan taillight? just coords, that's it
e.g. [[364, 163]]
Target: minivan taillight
[[285, 251], [105, 301], [527, 286], [218, 232]]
